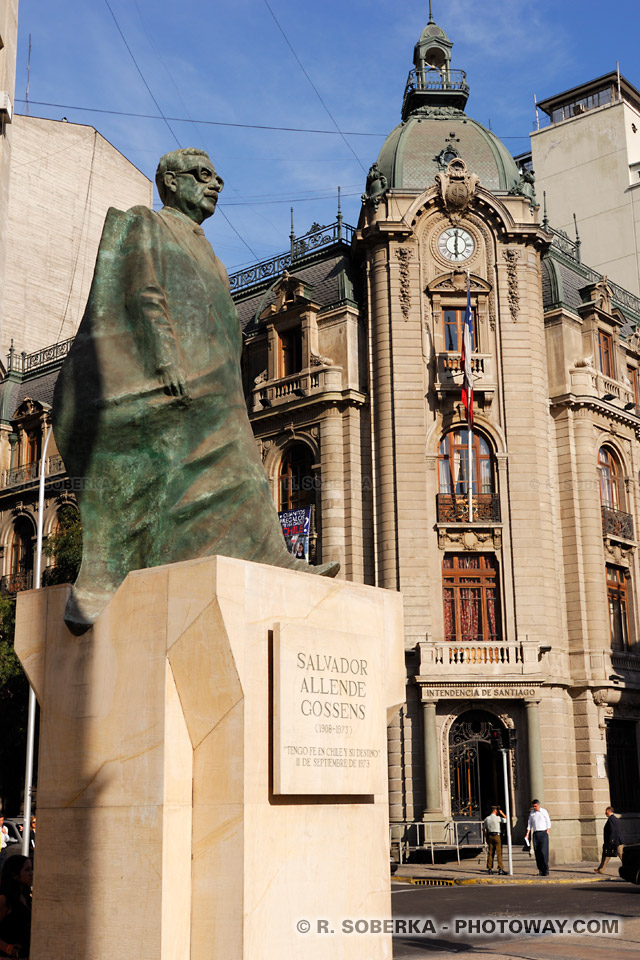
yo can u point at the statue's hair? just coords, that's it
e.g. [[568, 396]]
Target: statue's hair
[[176, 160]]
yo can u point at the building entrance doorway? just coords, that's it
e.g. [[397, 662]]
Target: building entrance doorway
[[475, 766]]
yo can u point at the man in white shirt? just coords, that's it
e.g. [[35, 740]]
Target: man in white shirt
[[4, 834], [492, 825], [538, 827]]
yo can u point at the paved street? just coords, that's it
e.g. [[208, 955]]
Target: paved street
[[593, 905]]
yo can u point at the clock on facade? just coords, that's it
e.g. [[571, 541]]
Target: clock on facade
[[456, 244]]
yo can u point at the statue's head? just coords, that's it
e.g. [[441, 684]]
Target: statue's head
[[187, 180]]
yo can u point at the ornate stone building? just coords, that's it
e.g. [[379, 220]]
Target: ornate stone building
[[522, 618]]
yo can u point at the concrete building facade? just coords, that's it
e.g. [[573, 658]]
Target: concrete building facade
[[64, 177], [587, 161]]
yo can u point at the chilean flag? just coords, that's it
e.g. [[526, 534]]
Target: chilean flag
[[467, 349]]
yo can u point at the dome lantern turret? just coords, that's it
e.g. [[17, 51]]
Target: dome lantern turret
[[435, 128], [432, 82]]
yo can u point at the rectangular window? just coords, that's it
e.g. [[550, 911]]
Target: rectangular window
[[471, 601], [290, 352], [618, 618], [605, 353], [622, 765], [454, 327]]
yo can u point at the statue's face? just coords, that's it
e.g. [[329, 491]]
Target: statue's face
[[194, 190]]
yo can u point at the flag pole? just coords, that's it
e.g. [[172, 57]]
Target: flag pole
[[470, 466], [468, 374]]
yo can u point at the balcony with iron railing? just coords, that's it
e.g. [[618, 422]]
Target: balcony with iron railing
[[432, 87], [27, 475], [616, 523], [307, 383], [13, 583], [454, 508]]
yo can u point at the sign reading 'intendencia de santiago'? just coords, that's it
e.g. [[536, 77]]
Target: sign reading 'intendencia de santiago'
[[329, 726]]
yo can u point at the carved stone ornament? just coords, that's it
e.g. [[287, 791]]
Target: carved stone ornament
[[513, 295], [633, 342], [584, 361], [404, 255], [28, 408], [469, 539], [376, 186], [602, 295], [457, 186], [261, 378], [317, 360]]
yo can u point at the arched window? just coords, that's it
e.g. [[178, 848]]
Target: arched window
[[610, 480], [21, 556], [453, 478], [296, 486]]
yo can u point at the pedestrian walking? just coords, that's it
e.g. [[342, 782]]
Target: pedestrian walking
[[538, 829], [612, 846]]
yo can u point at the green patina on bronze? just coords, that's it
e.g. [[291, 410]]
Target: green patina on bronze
[[149, 412]]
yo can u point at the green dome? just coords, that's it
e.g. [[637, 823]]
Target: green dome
[[416, 150]]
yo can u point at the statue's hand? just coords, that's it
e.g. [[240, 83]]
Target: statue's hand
[[174, 381]]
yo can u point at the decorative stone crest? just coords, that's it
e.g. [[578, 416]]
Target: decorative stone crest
[[469, 539], [404, 255], [376, 186], [511, 257], [457, 187]]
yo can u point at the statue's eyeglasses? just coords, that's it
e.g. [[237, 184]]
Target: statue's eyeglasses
[[200, 173]]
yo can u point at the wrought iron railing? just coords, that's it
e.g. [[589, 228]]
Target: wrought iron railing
[[436, 80], [29, 472], [454, 508], [14, 582], [27, 362], [617, 523], [317, 239], [571, 248], [625, 661]]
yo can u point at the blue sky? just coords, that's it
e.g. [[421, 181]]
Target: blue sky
[[227, 61]]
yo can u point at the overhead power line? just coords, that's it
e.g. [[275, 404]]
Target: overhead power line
[[313, 86], [159, 108], [212, 123]]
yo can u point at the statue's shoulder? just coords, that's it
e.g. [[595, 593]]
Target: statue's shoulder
[[125, 227]]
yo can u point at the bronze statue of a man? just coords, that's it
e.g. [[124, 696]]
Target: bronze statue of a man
[[149, 412]]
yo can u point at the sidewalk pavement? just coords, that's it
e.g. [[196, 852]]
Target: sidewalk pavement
[[474, 870]]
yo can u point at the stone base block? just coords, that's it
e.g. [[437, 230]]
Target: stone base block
[[162, 834]]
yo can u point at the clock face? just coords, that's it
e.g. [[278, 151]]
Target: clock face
[[456, 244]]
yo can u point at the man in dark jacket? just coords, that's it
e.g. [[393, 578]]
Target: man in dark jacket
[[612, 846]]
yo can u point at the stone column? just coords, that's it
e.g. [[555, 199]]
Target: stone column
[[332, 486], [536, 776], [431, 757]]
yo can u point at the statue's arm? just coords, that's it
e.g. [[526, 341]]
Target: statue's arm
[[146, 301]]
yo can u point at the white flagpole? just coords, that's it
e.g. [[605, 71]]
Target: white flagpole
[[470, 467], [31, 719], [469, 428]]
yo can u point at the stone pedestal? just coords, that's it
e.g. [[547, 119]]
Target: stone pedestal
[[212, 765]]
